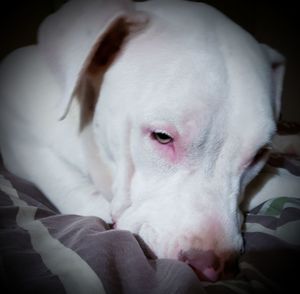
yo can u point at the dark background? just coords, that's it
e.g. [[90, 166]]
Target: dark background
[[275, 23]]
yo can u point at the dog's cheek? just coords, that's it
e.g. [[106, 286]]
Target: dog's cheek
[[166, 151]]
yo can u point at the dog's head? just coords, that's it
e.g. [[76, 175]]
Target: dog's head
[[186, 107]]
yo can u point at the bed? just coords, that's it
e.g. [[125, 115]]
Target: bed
[[43, 251]]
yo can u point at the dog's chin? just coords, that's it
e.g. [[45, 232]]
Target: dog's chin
[[209, 263]]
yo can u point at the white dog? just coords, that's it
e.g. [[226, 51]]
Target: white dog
[[153, 116]]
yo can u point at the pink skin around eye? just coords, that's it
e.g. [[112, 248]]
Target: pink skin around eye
[[172, 151], [169, 150]]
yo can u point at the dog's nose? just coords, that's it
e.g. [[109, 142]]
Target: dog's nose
[[207, 265]]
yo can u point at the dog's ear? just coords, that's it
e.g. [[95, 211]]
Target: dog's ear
[[83, 38], [277, 62], [103, 54]]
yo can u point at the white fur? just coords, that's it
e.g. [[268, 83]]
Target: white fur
[[191, 69]]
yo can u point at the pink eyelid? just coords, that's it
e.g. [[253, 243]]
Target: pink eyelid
[[166, 129], [171, 150]]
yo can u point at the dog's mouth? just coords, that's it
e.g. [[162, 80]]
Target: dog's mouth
[[208, 267], [211, 251]]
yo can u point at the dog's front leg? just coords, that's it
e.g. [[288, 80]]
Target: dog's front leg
[[69, 189]]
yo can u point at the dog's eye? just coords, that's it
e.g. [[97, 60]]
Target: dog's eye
[[162, 137]]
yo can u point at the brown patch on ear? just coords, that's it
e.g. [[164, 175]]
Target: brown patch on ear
[[107, 50], [109, 46], [88, 92]]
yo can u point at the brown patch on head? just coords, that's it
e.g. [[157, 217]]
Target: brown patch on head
[[107, 50]]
